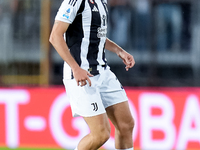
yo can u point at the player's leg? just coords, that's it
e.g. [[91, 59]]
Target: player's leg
[[122, 119], [99, 132], [115, 101], [88, 104]]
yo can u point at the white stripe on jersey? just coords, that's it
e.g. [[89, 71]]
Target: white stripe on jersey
[[85, 41], [102, 42], [81, 14]]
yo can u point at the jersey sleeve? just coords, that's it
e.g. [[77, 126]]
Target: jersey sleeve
[[68, 10]]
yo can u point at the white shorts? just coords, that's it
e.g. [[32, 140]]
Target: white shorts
[[88, 101]]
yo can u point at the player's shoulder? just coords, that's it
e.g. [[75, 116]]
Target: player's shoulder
[[72, 3]]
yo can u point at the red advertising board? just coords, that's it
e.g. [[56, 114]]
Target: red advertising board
[[165, 118]]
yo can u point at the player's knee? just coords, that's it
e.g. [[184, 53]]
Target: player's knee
[[131, 125], [126, 127], [103, 136]]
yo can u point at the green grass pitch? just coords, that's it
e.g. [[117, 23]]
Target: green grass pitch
[[4, 148]]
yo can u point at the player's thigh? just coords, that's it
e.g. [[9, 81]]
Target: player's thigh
[[85, 101], [120, 115], [98, 124]]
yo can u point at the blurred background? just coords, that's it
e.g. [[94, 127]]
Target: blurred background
[[162, 35]]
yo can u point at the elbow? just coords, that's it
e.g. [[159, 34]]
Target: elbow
[[54, 38], [51, 39]]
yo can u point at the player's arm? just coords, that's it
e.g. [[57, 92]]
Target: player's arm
[[126, 57], [57, 40]]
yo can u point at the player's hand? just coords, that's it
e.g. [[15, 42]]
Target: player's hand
[[127, 59], [82, 77]]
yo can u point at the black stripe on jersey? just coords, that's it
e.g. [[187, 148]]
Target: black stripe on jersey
[[74, 35], [93, 48], [69, 2], [104, 55], [72, 2]]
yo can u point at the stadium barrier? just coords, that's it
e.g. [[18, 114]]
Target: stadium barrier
[[165, 118]]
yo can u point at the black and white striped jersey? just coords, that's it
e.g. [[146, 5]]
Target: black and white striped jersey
[[86, 35]]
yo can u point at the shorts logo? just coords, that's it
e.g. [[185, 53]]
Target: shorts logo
[[95, 106]]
